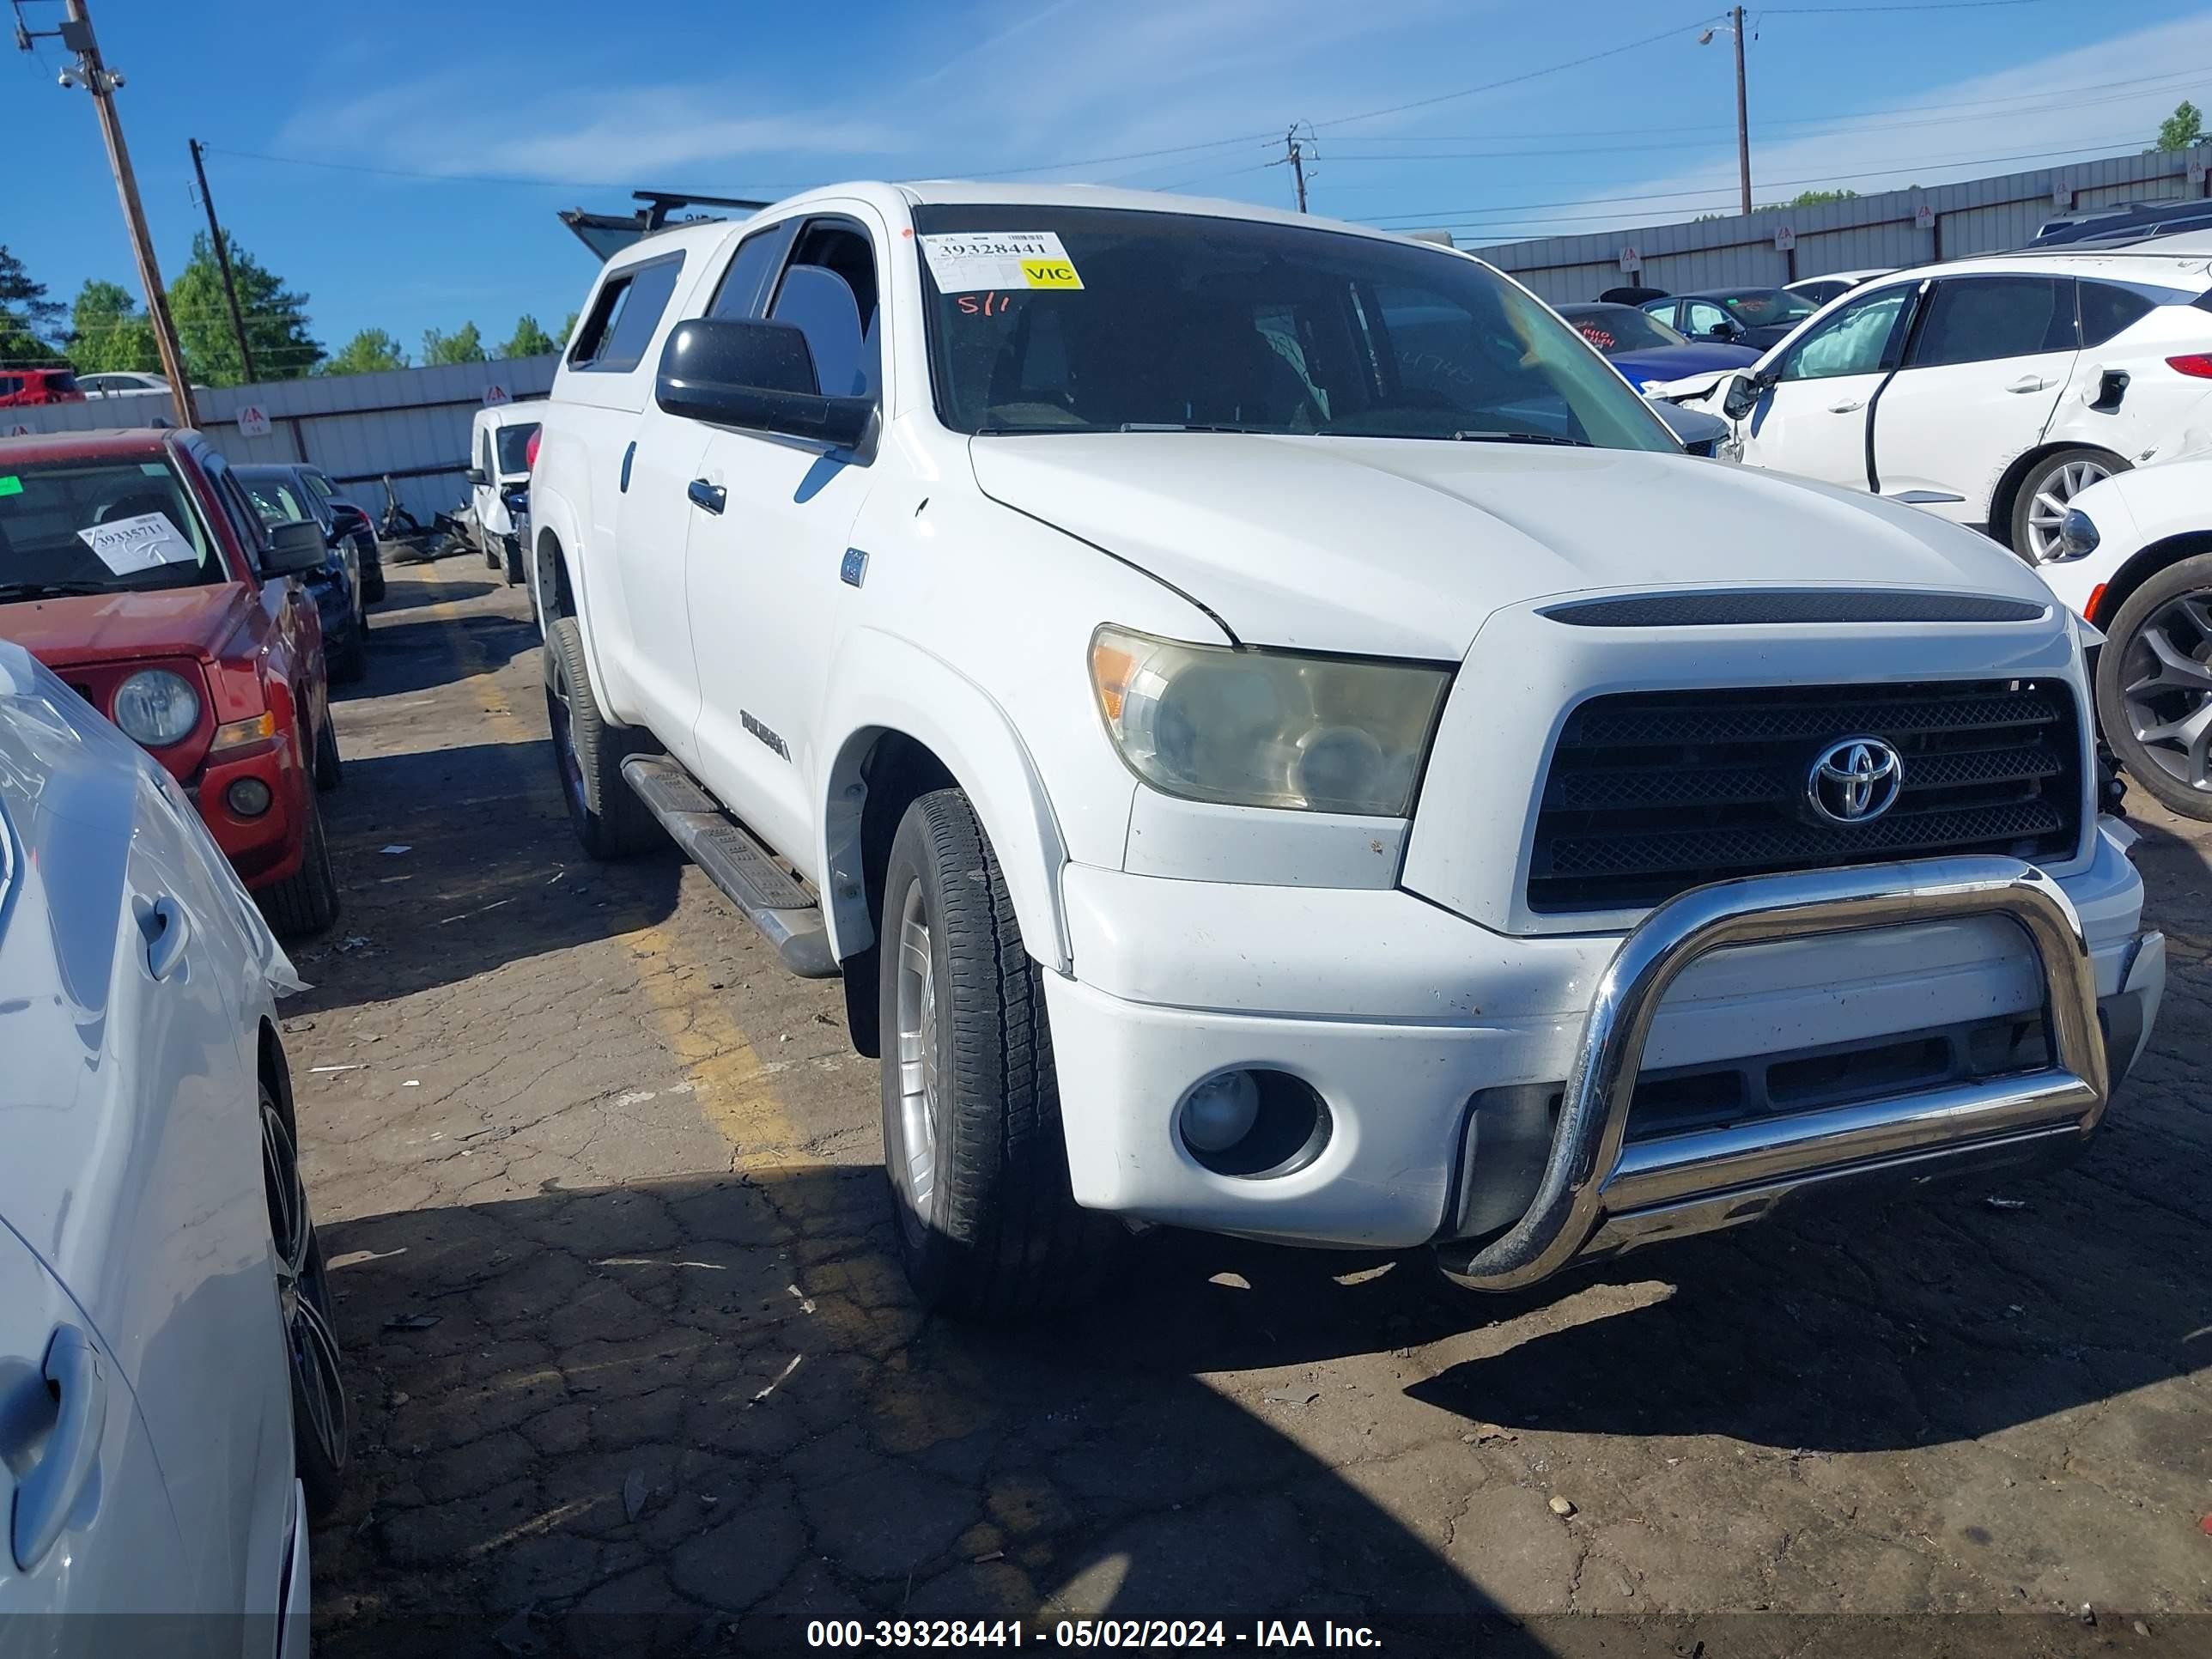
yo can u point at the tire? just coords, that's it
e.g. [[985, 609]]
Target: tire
[[350, 662], [329, 765], [986, 1227], [307, 901], [321, 1418], [611, 821], [2043, 493], [372, 583], [2155, 705]]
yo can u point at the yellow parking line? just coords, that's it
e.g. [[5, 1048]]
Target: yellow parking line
[[731, 1087]]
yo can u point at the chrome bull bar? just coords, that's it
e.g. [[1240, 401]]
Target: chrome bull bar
[[1599, 1193]]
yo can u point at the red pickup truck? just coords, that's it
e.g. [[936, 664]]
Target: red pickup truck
[[134, 565]]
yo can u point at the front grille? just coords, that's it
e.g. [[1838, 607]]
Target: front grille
[[1651, 793]]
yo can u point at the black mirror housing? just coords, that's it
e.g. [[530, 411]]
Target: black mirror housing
[[756, 375], [478, 477], [296, 548], [1742, 396]]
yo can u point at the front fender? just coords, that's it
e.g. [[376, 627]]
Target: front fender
[[882, 683]]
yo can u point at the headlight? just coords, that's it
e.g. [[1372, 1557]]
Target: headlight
[[156, 708], [2077, 536], [1266, 729]]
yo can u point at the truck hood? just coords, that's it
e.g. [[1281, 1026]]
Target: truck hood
[[1401, 547], [173, 621]]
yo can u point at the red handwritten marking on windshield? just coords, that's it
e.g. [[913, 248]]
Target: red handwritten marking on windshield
[[992, 303]]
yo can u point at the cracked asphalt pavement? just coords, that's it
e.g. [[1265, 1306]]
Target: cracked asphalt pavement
[[635, 1370]]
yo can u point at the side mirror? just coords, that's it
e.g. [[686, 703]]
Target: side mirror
[[756, 375], [296, 548], [1723, 331], [1696, 430], [478, 477], [1743, 395]]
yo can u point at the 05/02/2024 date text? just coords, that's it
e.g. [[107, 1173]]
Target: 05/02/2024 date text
[[1139, 1634]]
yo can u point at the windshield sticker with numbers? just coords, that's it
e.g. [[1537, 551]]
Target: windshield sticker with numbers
[[145, 542], [969, 262]]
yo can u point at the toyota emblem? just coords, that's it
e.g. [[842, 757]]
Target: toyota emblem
[[1854, 781]]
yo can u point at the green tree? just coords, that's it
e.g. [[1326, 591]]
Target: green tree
[[567, 333], [275, 319], [2183, 129], [462, 345], [108, 331], [1814, 197], [366, 352], [28, 319], [528, 340]]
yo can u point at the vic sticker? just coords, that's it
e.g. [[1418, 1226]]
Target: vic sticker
[[973, 261]]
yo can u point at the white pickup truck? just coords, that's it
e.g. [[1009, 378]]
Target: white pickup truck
[[1277, 738]]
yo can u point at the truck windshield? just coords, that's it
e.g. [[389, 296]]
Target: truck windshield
[[1046, 319], [99, 527]]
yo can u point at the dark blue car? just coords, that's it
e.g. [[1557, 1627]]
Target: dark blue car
[[1645, 349]]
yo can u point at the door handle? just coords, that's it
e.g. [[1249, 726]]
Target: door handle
[[2028, 383], [711, 497], [44, 1497], [168, 931], [1847, 406]]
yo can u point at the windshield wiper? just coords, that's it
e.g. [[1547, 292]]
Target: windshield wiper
[[49, 590], [1520, 438], [1188, 426]]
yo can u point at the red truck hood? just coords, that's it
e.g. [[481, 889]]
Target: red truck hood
[[175, 622]]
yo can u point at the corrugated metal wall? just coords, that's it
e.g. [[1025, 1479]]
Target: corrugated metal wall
[[1975, 216], [412, 423]]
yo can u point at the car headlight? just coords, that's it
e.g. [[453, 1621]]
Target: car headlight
[[2077, 536], [1267, 728], [156, 708]]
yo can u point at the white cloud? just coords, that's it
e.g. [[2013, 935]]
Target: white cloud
[[1961, 130]]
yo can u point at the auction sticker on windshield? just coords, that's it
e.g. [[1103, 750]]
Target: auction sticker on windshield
[[146, 542], [970, 261]]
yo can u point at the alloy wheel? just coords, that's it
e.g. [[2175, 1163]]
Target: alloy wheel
[[2167, 680], [302, 1291], [2047, 511], [917, 1036]]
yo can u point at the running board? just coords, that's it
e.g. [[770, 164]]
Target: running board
[[771, 899]]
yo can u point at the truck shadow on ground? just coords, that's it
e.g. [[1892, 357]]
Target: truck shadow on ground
[[414, 652], [490, 874], [692, 1415], [410, 587]]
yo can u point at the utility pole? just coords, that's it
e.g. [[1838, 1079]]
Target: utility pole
[[101, 82], [222, 263], [1735, 27], [1742, 119], [1297, 157]]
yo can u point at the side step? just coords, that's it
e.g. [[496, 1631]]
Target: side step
[[771, 899]]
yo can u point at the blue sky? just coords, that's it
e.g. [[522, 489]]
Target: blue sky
[[575, 104]]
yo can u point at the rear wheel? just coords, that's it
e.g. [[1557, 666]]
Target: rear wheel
[[972, 1137], [2154, 686], [611, 821], [2039, 507], [320, 1419], [307, 901]]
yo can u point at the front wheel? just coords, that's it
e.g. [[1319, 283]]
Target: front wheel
[[2039, 510], [320, 1419], [307, 901], [2154, 686], [973, 1144]]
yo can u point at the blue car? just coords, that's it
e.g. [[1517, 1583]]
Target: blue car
[[1646, 350]]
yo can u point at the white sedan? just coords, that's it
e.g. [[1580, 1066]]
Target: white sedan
[[1989, 392], [2135, 558], [171, 1409]]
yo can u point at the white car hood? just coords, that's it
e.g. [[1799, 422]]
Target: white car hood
[[1400, 548]]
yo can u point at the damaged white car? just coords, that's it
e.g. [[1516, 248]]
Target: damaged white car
[[1989, 392]]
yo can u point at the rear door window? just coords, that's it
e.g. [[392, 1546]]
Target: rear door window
[[614, 337], [1978, 320]]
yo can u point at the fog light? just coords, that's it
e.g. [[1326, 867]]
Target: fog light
[[1220, 1112], [248, 798]]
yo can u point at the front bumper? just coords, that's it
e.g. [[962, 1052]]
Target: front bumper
[[1400, 1015], [272, 846]]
